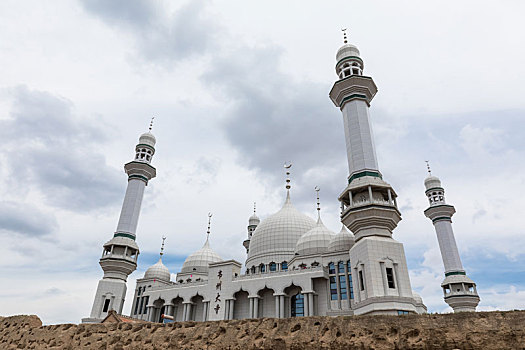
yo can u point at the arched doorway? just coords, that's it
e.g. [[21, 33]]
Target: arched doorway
[[297, 305], [197, 308], [266, 303], [241, 307], [178, 309], [158, 310]]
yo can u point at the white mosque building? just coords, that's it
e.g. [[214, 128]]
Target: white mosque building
[[295, 266]]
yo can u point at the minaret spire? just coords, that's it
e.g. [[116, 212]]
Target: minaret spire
[[162, 246], [428, 168], [151, 124], [459, 290], [317, 189], [209, 226], [345, 40]]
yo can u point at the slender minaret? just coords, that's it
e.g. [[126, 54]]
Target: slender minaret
[[459, 290], [253, 222], [369, 204], [119, 257]]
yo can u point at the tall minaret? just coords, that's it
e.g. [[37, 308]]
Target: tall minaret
[[119, 257], [369, 204], [253, 222], [460, 291]]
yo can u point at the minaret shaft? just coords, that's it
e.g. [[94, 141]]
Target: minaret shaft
[[360, 147], [129, 215], [447, 246]]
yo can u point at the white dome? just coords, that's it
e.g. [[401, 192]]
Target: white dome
[[253, 220], [275, 238], [346, 50], [199, 261], [147, 139], [432, 182], [314, 241], [342, 241], [158, 271]]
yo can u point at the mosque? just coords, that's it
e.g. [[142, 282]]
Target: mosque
[[295, 266]]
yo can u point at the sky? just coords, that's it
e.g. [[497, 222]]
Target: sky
[[237, 88]]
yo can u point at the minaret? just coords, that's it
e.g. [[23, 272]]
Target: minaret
[[119, 256], [459, 290], [253, 222], [369, 204]]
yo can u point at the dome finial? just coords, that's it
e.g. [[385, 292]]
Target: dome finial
[[428, 168], [209, 226], [345, 40], [287, 166], [162, 246], [317, 189], [254, 208], [151, 124]]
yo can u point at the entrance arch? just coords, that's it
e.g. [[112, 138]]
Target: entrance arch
[[266, 303], [241, 309], [297, 305]]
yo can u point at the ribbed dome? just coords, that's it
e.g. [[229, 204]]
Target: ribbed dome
[[148, 139], [314, 241], [158, 271], [432, 182], [275, 238], [347, 50], [342, 241], [254, 220], [199, 261]]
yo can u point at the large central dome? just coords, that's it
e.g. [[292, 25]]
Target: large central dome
[[275, 238]]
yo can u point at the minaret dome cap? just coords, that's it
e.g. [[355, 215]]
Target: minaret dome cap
[[254, 220], [147, 139], [432, 182], [347, 50]]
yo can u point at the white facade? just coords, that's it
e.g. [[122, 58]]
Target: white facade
[[295, 266]]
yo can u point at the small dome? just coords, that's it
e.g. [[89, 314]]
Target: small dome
[[342, 241], [147, 139], [274, 240], [199, 261], [346, 50], [314, 241], [254, 220], [432, 182], [158, 271]]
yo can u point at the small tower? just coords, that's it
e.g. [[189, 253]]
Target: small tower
[[119, 256], [459, 290], [369, 204], [253, 221]]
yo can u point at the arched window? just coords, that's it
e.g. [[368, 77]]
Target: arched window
[[341, 267], [284, 266], [297, 305], [331, 268], [262, 268], [273, 267]]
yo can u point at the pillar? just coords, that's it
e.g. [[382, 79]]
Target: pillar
[[256, 307], [230, 311], [311, 303], [281, 305], [205, 311], [277, 307], [251, 307], [306, 304]]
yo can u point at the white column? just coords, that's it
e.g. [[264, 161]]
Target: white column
[[231, 305], [281, 305], [205, 311], [306, 304], [311, 303], [448, 247], [256, 307], [277, 307], [129, 215], [185, 312], [251, 308]]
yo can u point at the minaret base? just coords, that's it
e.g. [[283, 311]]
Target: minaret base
[[460, 293], [110, 295]]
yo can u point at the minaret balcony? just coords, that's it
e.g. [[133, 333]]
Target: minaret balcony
[[141, 170], [441, 211], [353, 87]]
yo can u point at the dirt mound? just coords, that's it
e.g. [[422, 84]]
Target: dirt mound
[[483, 330]]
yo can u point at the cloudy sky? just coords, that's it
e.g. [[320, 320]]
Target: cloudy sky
[[237, 88]]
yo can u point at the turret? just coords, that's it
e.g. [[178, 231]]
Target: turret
[[253, 221], [459, 290]]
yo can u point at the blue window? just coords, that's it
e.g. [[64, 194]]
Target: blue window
[[331, 268], [273, 266], [284, 266], [333, 288], [401, 312], [297, 305], [342, 285], [341, 267], [350, 285], [262, 267]]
